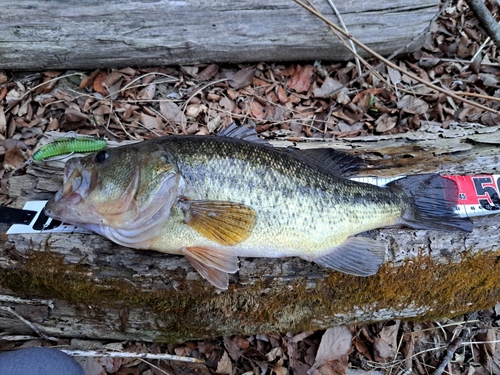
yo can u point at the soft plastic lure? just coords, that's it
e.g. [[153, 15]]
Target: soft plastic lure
[[63, 146]]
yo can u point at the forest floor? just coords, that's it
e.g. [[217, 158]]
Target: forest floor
[[292, 101]]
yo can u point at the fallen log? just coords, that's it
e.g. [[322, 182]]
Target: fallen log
[[37, 35], [82, 285]]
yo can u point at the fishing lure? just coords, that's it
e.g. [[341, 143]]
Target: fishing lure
[[63, 146]]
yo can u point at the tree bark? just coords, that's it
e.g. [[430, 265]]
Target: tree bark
[[36, 35], [101, 290]]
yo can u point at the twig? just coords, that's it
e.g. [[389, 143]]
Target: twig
[[464, 335], [487, 20], [350, 41], [27, 322], [394, 66], [165, 357], [17, 337], [448, 355]]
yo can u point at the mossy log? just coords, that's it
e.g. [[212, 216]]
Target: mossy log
[[36, 35], [102, 290]]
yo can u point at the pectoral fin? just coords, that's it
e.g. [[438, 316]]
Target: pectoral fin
[[213, 264], [227, 223], [359, 256]]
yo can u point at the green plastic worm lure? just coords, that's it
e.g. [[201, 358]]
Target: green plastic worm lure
[[63, 146]]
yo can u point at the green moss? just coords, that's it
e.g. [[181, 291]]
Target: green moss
[[197, 311]]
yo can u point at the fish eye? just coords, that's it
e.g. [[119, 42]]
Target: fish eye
[[101, 156]]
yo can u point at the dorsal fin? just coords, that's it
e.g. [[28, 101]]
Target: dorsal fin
[[338, 163], [242, 132]]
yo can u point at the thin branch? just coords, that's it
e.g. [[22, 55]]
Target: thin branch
[[27, 322], [337, 13], [486, 19], [165, 357]]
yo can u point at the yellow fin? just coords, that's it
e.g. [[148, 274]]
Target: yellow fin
[[227, 223], [213, 264]]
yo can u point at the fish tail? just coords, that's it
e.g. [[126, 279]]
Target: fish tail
[[431, 203]]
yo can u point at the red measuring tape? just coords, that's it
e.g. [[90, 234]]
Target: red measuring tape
[[477, 195]]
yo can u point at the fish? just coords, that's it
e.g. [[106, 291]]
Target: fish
[[213, 199]]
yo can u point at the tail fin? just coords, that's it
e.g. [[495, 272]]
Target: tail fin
[[432, 202]]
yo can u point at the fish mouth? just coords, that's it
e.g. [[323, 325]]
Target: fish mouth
[[77, 182]]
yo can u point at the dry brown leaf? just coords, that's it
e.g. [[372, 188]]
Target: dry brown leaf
[[3, 77], [394, 75], [385, 123], [488, 338], [381, 349], [242, 78], [3, 121], [279, 370], [242, 342], [232, 348], [73, 119], [336, 367], [280, 91], [191, 71], [335, 343], [91, 366], [114, 90], [147, 93], [3, 93], [14, 158], [209, 72], [274, 353], [327, 88], [227, 104], [260, 83], [390, 335], [194, 110], [300, 81], [98, 81], [150, 122], [172, 113], [410, 104], [257, 110], [102, 110], [224, 366], [112, 78], [88, 81]]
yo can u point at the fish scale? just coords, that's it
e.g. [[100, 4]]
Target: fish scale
[[285, 215]]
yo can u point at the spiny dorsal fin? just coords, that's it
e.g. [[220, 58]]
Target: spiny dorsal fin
[[227, 223], [213, 264], [242, 132], [338, 163]]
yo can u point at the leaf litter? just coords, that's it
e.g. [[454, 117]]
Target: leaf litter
[[293, 101]]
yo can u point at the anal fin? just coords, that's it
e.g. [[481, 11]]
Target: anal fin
[[213, 264], [227, 223], [358, 256]]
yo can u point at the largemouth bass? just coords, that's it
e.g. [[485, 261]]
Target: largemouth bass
[[213, 199]]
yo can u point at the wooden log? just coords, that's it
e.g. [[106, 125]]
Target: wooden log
[[36, 35], [102, 290]]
